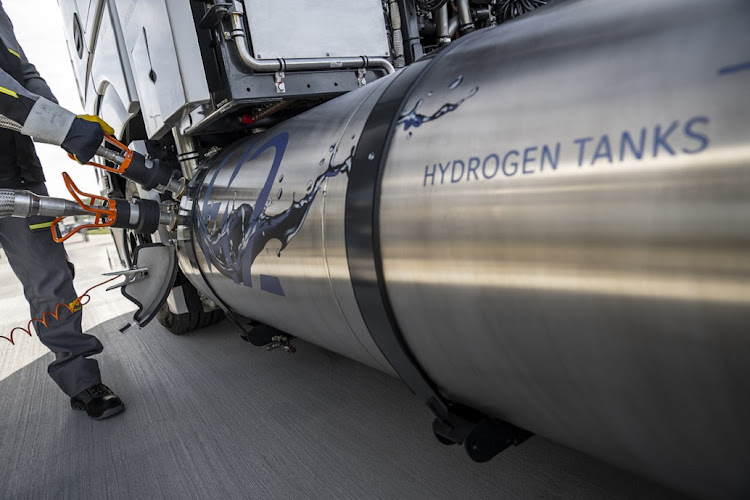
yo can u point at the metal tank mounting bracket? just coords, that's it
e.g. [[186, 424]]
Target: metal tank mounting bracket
[[260, 334], [486, 439]]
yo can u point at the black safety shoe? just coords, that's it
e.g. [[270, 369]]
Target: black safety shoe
[[98, 401]]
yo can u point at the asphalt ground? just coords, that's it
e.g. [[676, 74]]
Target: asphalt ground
[[210, 416]]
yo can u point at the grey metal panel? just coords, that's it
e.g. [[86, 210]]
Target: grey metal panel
[[308, 28], [112, 110], [188, 53], [170, 80], [110, 70], [83, 8], [69, 9], [110, 92], [91, 11]]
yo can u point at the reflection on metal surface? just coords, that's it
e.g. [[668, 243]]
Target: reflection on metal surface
[[548, 277]]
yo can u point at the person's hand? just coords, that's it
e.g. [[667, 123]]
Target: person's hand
[[95, 119], [85, 136]]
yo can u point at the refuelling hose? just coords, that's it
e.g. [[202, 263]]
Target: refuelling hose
[[49, 316]]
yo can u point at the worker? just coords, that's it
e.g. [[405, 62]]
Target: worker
[[40, 264]]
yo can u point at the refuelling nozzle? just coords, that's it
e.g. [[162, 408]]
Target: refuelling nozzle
[[144, 216], [149, 173]]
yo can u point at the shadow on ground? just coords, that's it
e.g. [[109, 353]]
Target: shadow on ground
[[209, 416]]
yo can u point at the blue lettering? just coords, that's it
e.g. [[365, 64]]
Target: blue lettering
[[661, 139], [484, 166], [527, 160], [513, 164], [701, 138], [473, 170], [548, 155], [581, 146], [636, 150], [603, 150], [455, 179], [429, 174], [443, 171]]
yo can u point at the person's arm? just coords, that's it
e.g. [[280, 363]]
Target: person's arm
[[31, 104], [33, 81], [45, 121], [16, 102]]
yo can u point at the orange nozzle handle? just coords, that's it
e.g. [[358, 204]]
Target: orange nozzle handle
[[124, 150], [105, 214]]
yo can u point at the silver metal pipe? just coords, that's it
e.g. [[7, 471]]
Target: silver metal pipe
[[176, 185], [452, 27], [306, 64], [187, 153], [398, 40], [25, 204], [442, 24], [110, 155], [168, 218], [482, 13], [464, 16]]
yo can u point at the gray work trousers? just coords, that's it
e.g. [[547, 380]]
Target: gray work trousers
[[47, 278]]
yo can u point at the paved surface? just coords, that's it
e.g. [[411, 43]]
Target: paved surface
[[209, 416]]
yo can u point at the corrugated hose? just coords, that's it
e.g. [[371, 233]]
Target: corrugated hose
[[7, 202], [6, 122]]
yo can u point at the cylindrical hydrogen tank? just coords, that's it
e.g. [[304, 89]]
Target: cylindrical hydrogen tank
[[558, 219]]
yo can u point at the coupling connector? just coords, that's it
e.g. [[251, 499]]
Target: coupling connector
[[149, 173], [143, 216], [153, 174]]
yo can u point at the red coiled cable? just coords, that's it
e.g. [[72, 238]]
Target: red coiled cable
[[49, 316]]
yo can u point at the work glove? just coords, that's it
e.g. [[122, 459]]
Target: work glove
[[104, 125], [85, 136]]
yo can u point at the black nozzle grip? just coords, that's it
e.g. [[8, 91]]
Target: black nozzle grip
[[141, 215], [148, 173]]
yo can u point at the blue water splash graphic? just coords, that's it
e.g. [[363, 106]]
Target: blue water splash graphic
[[412, 119], [233, 246]]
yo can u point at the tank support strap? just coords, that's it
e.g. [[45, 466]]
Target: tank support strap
[[482, 437]]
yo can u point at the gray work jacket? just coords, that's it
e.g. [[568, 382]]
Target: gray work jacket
[[20, 87]]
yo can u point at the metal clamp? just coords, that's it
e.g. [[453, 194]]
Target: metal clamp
[[279, 80], [215, 14], [281, 341], [130, 275]]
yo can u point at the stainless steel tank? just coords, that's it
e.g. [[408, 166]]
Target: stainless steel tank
[[558, 219]]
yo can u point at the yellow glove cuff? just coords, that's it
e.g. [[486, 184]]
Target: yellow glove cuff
[[95, 119]]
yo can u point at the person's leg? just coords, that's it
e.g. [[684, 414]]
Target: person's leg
[[42, 266]]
